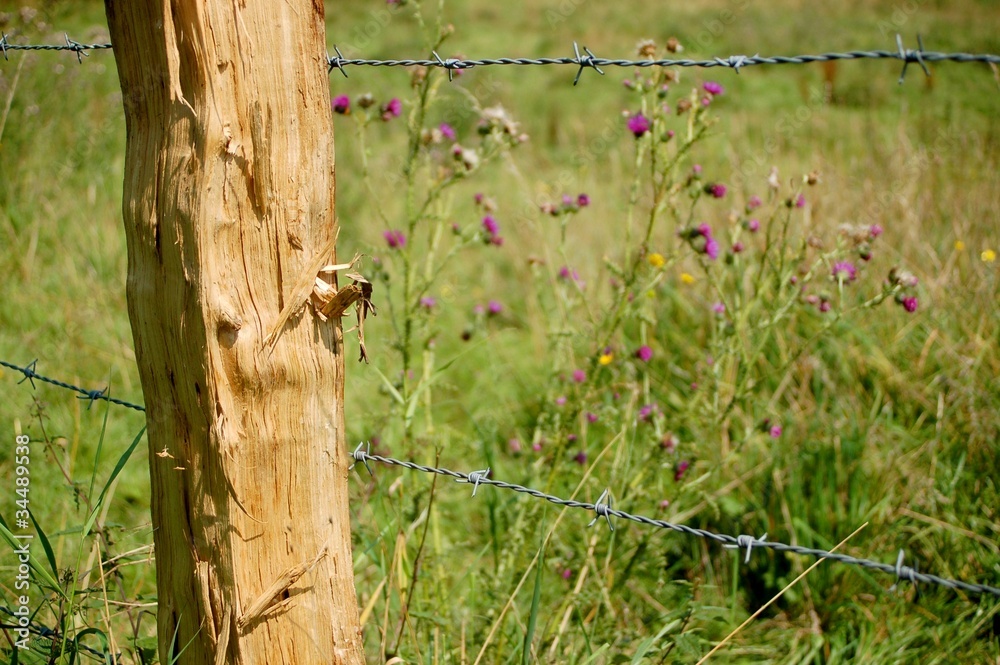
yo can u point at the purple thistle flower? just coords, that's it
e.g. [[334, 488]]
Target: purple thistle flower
[[341, 104], [719, 308], [583, 200], [776, 431], [753, 226], [737, 247], [713, 88], [874, 231], [395, 239], [567, 200], [646, 411], [567, 574], [447, 131], [644, 353], [494, 307], [591, 417], [712, 248], [801, 201], [478, 198], [638, 124], [490, 225], [754, 202], [717, 190], [844, 270], [910, 304], [561, 400], [579, 376], [567, 273], [428, 302], [391, 109], [681, 469], [581, 458]]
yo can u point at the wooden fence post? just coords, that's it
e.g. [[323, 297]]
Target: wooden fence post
[[229, 215]]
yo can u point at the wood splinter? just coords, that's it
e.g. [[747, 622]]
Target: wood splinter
[[266, 600]]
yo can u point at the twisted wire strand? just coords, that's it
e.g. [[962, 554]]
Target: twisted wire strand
[[602, 508], [92, 395], [588, 60]]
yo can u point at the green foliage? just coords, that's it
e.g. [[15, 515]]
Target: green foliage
[[886, 417]]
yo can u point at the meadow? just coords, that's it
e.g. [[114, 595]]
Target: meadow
[[754, 303]]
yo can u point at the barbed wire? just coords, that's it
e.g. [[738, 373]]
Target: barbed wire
[[91, 395], [603, 508], [587, 60]]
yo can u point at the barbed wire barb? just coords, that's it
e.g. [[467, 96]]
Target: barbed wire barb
[[585, 61], [909, 55], [744, 540], [3, 44], [603, 508], [335, 62]]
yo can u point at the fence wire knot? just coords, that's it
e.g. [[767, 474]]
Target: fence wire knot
[[93, 395], [743, 540], [3, 44], [475, 477], [903, 572], [735, 61], [588, 60], [77, 48], [603, 509], [362, 456], [908, 55], [451, 64], [29, 371], [336, 63]]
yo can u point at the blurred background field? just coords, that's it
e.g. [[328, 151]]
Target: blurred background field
[[893, 419]]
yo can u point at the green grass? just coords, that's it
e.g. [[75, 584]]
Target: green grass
[[889, 418]]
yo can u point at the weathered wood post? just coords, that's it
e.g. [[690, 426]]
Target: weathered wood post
[[229, 214]]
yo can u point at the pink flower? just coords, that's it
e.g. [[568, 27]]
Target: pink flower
[[713, 88], [719, 308], [717, 190], [681, 469], [753, 203], [391, 109], [874, 231], [395, 239], [581, 458], [753, 226], [494, 307], [844, 270], [579, 376], [490, 225], [428, 302], [591, 417], [514, 445], [644, 353], [567, 273], [801, 201], [561, 401], [583, 200], [341, 104], [447, 131], [910, 304], [775, 431], [638, 124]]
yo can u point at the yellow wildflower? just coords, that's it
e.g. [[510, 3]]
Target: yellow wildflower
[[606, 358], [687, 278], [656, 260], [959, 246], [988, 256]]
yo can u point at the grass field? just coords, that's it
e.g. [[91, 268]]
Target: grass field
[[754, 393]]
